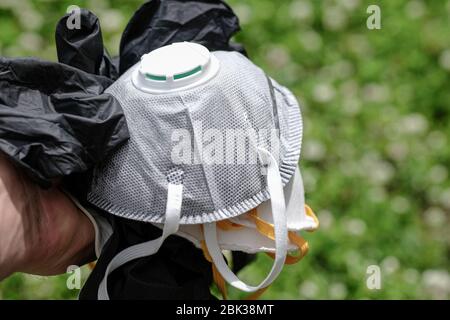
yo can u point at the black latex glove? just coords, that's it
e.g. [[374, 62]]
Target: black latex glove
[[55, 120], [83, 48]]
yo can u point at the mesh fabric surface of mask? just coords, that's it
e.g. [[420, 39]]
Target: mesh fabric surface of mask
[[132, 183]]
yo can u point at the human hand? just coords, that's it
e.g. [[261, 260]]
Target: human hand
[[41, 231]]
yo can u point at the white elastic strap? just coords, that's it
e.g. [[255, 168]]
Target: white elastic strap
[[171, 223], [275, 188]]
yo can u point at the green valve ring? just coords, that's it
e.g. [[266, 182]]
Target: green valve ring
[[156, 78], [175, 77], [175, 67], [188, 73]]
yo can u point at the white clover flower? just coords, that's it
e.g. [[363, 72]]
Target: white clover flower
[[444, 198], [411, 275], [111, 20], [390, 264], [356, 227], [301, 10], [30, 41], [349, 5], [375, 92], [438, 174], [308, 289], [337, 290], [334, 18], [400, 204], [244, 12], [311, 40], [444, 60], [12, 4], [433, 194], [437, 283], [278, 57], [29, 19], [397, 150], [415, 9], [314, 150], [97, 5], [326, 219], [323, 92], [435, 217], [414, 123], [381, 172]]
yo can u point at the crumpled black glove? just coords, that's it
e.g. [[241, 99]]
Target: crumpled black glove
[[158, 23], [55, 120], [83, 48]]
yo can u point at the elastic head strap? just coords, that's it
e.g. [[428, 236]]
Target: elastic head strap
[[173, 210], [275, 188]]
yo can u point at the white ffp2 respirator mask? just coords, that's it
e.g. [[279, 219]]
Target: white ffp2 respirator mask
[[212, 156]]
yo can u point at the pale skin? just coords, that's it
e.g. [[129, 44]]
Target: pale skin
[[41, 231]]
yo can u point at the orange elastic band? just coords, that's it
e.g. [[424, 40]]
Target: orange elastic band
[[267, 229], [217, 277]]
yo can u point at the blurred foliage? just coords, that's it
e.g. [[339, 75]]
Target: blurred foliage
[[376, 154]]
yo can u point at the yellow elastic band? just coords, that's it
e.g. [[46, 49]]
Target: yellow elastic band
[[300, 243], [227, 225], [267, 229], [220, 281], [310, 213], [217, 277]]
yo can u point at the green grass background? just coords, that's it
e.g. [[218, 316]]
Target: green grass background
[[376, 154]]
